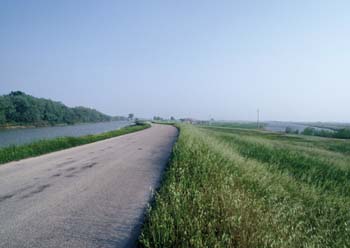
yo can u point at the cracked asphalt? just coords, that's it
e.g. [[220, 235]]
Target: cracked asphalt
[[93, 195]]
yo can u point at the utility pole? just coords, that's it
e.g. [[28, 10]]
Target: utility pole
[[257, 122]]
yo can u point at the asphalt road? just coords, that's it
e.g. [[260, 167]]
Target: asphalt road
[[88, 196]]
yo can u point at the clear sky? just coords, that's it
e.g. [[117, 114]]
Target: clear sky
[[201, 59]]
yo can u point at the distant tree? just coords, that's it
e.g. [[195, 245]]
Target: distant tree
[[2, 110], [10, 110], [308, 131], [343, 133], [289, 130], [172, 118], [17, 93], [131, 116], [20, 108], [324, 133]]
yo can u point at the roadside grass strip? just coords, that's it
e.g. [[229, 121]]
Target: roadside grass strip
[[246, 188]]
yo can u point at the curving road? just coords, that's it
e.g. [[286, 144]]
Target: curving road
[[88, 196]]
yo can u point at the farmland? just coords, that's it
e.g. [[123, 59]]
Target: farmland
[[235, 187]]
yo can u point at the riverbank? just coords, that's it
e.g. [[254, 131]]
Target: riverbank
[[37, 148], [22, 136], [36, 125], [24, 126], [5, 127]]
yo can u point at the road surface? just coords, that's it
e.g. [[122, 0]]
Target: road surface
[[93, 195]]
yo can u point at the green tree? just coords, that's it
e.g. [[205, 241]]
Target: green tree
[[2, 110], [308, 131], [20, 108], [289, 130]]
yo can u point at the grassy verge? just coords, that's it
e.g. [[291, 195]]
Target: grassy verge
[[37, 148], [246, 188]]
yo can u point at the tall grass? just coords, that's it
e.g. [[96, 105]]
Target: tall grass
[[302, 167], [37, 148], [220, 192]]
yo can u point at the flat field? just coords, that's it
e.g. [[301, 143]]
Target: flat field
[[234, 187]]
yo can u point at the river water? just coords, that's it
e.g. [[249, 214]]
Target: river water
[[280, 126], [19, 136]]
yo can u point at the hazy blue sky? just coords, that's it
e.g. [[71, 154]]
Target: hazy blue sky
[[220, 59]]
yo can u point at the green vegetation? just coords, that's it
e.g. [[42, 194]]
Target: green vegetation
[[233, 187], [37, 148], [247, 125], [18, 108], [343, 133], [291, 130]]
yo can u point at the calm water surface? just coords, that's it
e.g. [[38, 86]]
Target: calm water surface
[[280, 126], [26, 135]]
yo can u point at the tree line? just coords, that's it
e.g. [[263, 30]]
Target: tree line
[[342, 133], [18, 108]]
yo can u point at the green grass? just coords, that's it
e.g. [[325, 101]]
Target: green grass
[[246, 125], [37, 148], [231, 187]]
